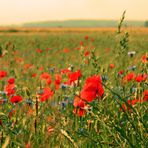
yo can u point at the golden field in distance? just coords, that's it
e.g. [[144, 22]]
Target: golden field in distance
[[46, 30]]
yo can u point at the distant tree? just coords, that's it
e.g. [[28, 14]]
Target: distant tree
[[146, 24]]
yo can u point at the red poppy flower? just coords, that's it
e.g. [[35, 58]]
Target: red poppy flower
[[133, 102], [19, 60], [74, 76], [78, 48], [57, 82], [28, 145], [47, 93], [33, 75], [39, 50], [141, 77], [86, 37], [65, 71], [120, 72], [130, 102], [66, 50], [48, 81], [78, 102], [79, 105], [10, 89], [92, 88], [78, 111], [27, 66], [129, 77], [16, 99], [144, 59], [86, 53], [50, 129], [145, 94], [81, 43], [112, 65], [11, 81], [3, 74], [41, 68], [45, 76], [29, 110]]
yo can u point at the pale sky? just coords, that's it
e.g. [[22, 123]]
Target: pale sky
[[20, 11]]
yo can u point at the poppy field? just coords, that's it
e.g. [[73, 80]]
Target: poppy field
[[74, 89]]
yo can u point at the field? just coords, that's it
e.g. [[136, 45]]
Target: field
[[73, 87]]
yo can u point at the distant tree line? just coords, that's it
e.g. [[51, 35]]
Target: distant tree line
[[146, 24]]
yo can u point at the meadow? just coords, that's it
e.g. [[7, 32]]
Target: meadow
[[74, 88]]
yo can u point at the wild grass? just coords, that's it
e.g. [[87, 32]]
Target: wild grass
[[106, 123]]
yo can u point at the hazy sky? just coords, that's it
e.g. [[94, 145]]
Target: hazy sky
[[20, 11]]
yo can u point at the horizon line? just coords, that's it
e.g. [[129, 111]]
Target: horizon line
[[62, 20]]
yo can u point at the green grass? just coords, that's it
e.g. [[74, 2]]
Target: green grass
[[105, 125]]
